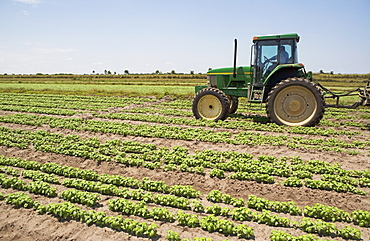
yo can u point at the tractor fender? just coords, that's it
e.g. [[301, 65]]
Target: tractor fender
[[281, 72]]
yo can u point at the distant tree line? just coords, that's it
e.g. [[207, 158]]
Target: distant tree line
[[126, 71]]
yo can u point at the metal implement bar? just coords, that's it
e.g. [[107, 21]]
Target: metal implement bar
[[363, 94]]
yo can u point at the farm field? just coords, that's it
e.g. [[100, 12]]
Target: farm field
[[79, 167]]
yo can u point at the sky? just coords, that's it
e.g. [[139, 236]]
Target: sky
[[143, 36]]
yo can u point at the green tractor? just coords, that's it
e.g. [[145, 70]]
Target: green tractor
[[276, 78]]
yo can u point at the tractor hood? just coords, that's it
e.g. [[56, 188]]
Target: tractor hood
[[243, 70]]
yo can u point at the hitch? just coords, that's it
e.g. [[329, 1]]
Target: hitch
[[364, 95]]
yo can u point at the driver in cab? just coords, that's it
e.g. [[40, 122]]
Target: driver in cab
[[284, 56]]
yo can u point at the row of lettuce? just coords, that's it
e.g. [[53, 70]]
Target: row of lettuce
[[67, 102], [211, 223], [150, 114], [175, 196], [149, 110], [233, 165], [191, 134]]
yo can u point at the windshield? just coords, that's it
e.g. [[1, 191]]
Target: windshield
[[270, 53]]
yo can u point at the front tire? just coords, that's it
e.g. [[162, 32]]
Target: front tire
[[295, 102], [234, 104], [211, 104]]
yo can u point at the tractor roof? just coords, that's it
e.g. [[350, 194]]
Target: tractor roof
[[276, 36]]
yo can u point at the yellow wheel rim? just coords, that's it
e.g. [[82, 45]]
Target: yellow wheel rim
[[295, 105], [209, 107]]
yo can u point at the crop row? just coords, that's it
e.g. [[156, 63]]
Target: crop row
[[122, 205], [69, 211], [344, 123], [85, 197], [36, 187], [276, 235], [93, 149], [320, 211], [255, 121], [317, 211], [209, 223], [50, 169], [178, 103], [341, 117], [172, 132], [39, 110], [114, 181], [54, 102], [240, 124], [240, 214], [44, 188], [61, 106], [155, 109], [72, 98], [244, 106], [14, 101], [241, 166], [178, 201]]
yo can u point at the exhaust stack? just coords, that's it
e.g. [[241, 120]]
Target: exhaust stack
[[235, 50]]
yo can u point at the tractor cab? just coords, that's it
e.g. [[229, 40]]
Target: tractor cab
[[270, 51]]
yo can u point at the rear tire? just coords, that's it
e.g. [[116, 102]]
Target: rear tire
[[211, 104], [295, 102]]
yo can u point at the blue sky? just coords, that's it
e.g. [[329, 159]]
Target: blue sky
[[142, 36]]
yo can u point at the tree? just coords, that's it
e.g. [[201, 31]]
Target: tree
[[158, 72], [126, 71], [191, 71], [173, 71], [93, 71]]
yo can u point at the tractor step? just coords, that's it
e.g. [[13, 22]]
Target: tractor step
[[257, 90], [256, 95]]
